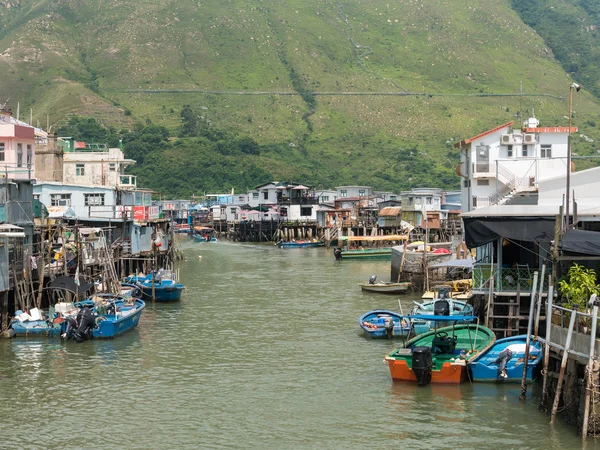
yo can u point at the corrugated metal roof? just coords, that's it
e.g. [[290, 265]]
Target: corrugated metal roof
[[390, 211]]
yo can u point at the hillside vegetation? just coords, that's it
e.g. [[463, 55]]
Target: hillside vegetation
[[285, 77]]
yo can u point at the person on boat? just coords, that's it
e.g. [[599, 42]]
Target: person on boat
[[503, 358]]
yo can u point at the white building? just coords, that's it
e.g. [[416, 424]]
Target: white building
[[97, 165], [502, 161], [88, 202]]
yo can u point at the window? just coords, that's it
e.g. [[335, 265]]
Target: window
[[546, 151], [79, 170], [466, 183], [60, 199], [112, 167], [29, 155], [94, 199], [428, 200], [361, 193], [255, 195], [324, 198], [2, 148], [418, 200], [266, 195], [19, 155], [232, 210], [525, 151], [410, 200], [509, 151], [36, 196], [306, 211], [343, 193], [483, 182]]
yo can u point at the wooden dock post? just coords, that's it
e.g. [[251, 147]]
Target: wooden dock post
[[523, 395], [563, 365], [589, 373], [549, 302]]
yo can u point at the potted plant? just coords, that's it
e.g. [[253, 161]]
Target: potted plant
[[577, 287]]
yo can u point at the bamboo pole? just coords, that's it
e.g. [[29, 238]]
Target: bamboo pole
[[523, 395], [563, 365], [588, 370], [550, 300]]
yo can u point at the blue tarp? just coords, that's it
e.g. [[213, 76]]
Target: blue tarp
[[442, 318]]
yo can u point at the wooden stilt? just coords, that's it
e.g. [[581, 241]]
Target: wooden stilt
[[563, 365], [549, 302], [589, 369]]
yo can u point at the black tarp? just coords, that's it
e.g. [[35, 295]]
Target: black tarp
[[68, 283], [481, 230], [581, 242]]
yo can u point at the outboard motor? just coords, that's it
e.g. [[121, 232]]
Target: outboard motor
[[372, 279], [503, 358], [441, 308], [338, 254], [86, 322], [388, 324], [422, 362]]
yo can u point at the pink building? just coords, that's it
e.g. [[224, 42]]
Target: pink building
[[17, 147]]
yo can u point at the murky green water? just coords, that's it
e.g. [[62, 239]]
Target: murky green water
[[262, 352]]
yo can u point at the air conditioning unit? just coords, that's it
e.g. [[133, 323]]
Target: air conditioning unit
[[507, 139], [529, 139]]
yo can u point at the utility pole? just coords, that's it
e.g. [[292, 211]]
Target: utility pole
[[577, 87]]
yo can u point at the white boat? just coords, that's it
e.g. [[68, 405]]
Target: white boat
[[386, 287]]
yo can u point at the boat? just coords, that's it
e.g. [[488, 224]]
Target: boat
[[300, 244], [203, 234], [504, 361], [369, 247], [384, 287], [35, 324], [106, 315], [166, 288], [457, 307], [381, 323], [440, 355]]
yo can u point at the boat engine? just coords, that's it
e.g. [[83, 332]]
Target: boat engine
[[337, 253], [372, 279], [441, 308], [388, 324], [86, 322], [422, 362]]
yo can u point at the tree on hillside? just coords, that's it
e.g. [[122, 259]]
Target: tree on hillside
[[87, 129]]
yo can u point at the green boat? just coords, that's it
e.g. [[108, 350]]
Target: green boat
[[369, 253], [440, 355], [379, 247]]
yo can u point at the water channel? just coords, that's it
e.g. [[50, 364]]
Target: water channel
[[263, 351]]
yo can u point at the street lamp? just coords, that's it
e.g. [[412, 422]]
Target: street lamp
[[577, 88]]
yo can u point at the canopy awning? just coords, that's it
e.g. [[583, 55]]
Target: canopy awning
[[481, 230], [581, 242], [434, 318], [454, 263]]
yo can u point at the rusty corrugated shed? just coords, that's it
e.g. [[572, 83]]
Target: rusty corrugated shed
[[390, 211]]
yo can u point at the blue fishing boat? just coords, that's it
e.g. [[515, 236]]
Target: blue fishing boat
[[381, 323], [166, 289], [38, 328], [203, 234], [300, 244], [504, 361], [103, 317]]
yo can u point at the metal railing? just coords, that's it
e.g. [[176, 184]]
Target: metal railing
[[505, 279]]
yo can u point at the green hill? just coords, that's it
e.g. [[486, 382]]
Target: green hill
[[367, 92]]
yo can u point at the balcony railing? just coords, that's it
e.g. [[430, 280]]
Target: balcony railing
[[505, 279]]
